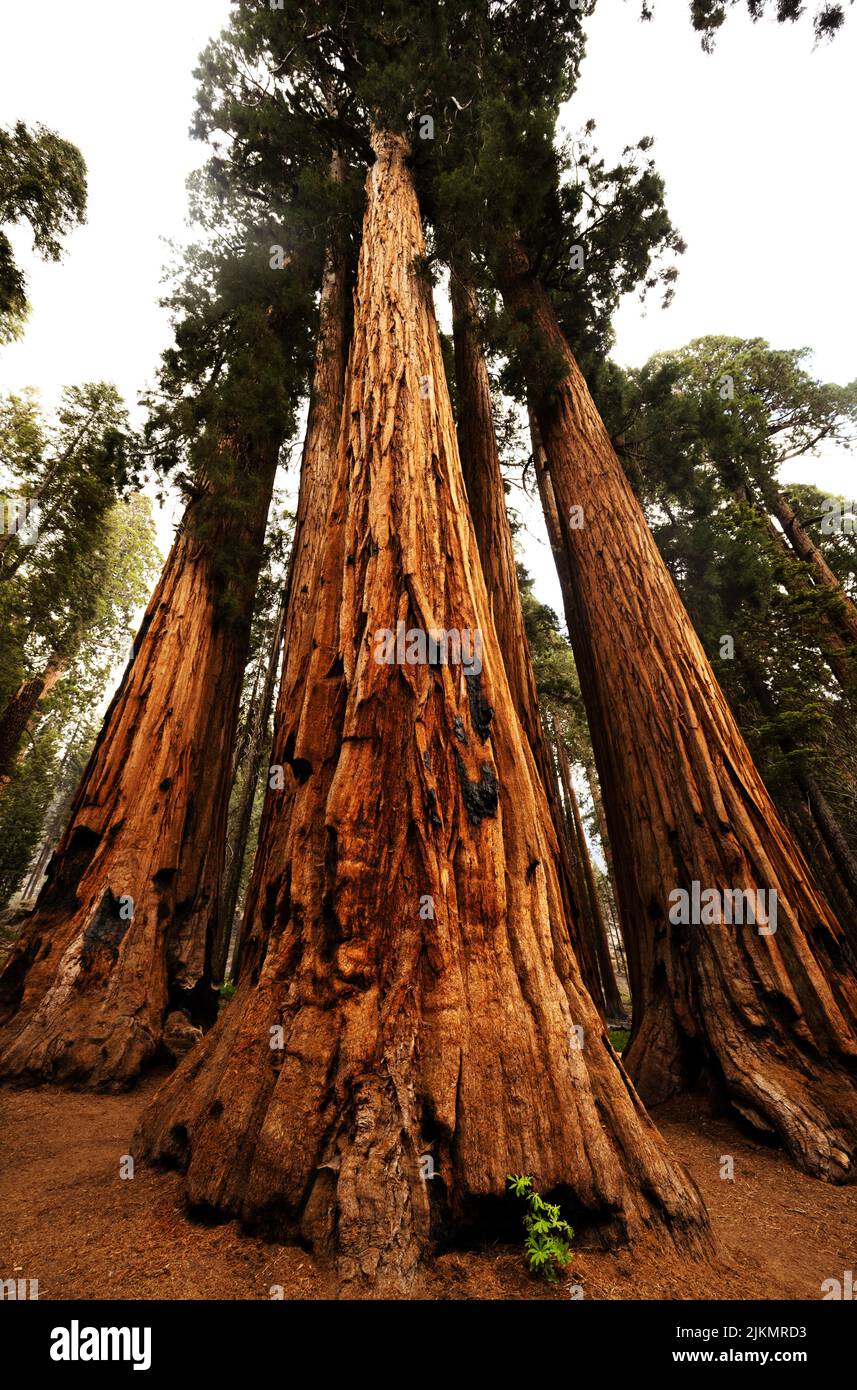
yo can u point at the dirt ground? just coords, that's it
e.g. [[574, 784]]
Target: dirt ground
[[70, 1221]]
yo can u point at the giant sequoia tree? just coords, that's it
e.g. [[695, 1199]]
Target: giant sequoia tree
[[122, 929], [770, 1017], [408, 987], [483, 479], [702, 433], [686, 805]]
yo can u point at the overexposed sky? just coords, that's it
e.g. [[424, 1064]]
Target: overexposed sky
[[754, 142], [116, 79]]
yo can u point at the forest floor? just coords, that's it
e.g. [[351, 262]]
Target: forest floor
[[70, 1221]]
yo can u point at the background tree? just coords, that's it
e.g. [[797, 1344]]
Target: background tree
[[71, 470], [708, 15], [43, 183], [698, 441], [120, 567], [670, 826], [254, 739]]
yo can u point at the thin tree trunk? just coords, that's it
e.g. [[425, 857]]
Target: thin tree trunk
[[304, 585], [251, 764], [808, 786], [615, 1009], [405, 923], [122, 929], [600, 818], [585, 925], [604, 837], [20, 711], [547, 497], [483, 479], [55, 823], [806, 549], [772, 1018], [837, 648]]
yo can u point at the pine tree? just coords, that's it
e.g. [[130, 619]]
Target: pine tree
[[66, 474], [43, 183], [121, 567]]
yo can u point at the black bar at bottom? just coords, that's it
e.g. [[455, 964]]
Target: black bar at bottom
[[404, 1340]]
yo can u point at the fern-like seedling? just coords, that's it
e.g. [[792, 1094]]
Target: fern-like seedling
[[547, 1242]]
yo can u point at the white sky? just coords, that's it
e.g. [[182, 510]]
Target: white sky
[[754, 143]]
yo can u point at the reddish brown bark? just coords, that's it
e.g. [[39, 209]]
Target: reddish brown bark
[[483, 480], [316, 481], [411, 786], [121, 932], [771, 1018]]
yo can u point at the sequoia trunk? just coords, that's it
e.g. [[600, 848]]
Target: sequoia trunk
[[483, 480], [403, 1031], [610, 882], [769, 1014], [121, 931]]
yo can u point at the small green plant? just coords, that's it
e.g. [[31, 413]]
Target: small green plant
[[547, 1245], [619, 1038]]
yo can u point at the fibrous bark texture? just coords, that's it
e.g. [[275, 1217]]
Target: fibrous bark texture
[[483, 481], [121, 931], [770, 1017], [403, 1031]]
